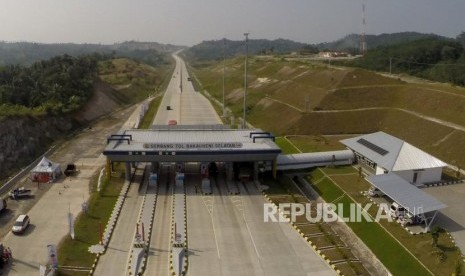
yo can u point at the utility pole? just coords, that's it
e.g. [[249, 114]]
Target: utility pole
[[363, 43], [244, 122], [224, 108], [180, 80], [390, 65]]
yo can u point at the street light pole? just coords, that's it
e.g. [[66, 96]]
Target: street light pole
[[224, 109], [244, 122]]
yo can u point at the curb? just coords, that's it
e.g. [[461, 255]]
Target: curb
[[107, 233]]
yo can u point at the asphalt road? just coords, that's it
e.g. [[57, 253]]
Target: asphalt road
[[188, 107], [160, 245], [171, 98], [227, 236], [115, 259], [226, 233], [452, 217]]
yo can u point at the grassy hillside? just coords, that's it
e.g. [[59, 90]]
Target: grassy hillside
[[131, 80], [299, 97]]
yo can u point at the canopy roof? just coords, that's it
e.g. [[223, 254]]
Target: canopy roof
[[407, 195], [45, 165]]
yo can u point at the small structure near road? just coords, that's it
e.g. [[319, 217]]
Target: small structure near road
[[380, 153], [46, 171]]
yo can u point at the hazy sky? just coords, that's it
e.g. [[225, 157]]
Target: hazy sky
[[188, 22]]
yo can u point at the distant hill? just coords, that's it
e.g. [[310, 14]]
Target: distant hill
[[434, 58], [351, 43], [303, 97], [213, 49], [26, 53]]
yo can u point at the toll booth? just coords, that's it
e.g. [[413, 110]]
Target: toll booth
[[204, 170], [180, 167], [153, 178], [179, 179]]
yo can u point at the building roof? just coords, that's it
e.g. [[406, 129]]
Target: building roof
[[45, 165], [191, 144], [392, 153], [407, 195]]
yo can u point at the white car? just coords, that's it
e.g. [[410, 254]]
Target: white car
[[21, 224], [375, 192], [397, 211]]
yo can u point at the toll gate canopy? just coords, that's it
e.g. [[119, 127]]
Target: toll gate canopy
[[191, 145]]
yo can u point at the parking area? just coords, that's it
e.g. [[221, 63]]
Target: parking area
[[384, 202], [452, 217]]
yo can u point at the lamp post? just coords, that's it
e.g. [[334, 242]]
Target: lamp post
[[244, 122], [224, 108]]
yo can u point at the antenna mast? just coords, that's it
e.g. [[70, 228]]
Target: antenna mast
[[363, 43]]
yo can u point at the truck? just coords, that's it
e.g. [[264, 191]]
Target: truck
[[20, 193]]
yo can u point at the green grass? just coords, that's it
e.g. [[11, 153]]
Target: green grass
[[75, 252], [133, 81], [328, 191], [389, 251], [150, 114], [314, 143], [286, 146]]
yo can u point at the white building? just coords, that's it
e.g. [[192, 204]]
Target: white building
[[381, 153]]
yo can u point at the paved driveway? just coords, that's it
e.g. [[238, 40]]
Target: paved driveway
[[452, 217]]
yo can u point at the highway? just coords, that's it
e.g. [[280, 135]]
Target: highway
[[160, 245], [115, 259], [227, 236], [188, 107], [171, 98], [226, 233]]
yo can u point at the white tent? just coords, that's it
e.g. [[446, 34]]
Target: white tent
[[45, 171]]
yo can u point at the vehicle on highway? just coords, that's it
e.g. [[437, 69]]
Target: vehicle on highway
[[375, 192], [396, 210], [21, 224], [172, 122], [20, 193]]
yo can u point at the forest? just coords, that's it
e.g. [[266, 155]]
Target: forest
[[56, 86], [433, 58]]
